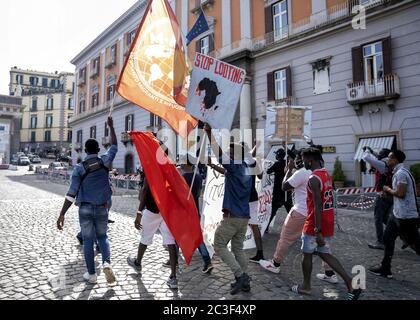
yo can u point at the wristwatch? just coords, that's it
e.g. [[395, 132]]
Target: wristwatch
[[317, 231]]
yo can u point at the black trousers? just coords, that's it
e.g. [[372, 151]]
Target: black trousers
[[406, 229], [383, 208], [278, 203]]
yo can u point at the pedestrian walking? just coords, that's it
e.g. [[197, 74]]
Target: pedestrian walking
[[90, 190], [318, 230], [236, 215], [405, 220]]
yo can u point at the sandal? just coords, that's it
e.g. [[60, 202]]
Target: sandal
[[297, 290]]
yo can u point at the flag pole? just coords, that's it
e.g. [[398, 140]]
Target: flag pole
[[203, 140], [111, 109]]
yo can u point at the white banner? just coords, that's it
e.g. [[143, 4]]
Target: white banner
[[213, 205], [215, 90]]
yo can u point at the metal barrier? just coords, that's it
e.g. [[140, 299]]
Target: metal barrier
[[365, 198]]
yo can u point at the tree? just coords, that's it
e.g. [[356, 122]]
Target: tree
[[338, 173]]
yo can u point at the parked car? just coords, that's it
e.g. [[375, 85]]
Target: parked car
[[57, 166], [24, 161], [51, 156], [36, 159], [64, 158]]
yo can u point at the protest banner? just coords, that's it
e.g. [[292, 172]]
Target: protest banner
[[215, 90]]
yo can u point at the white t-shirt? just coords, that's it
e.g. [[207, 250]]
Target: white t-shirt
[[299, 181]]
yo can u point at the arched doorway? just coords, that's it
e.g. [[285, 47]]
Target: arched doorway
[[129, 163]]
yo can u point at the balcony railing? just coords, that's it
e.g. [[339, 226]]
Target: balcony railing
[[126, 138], [82, 82], [387, 88], [111, 63], [201, 4], [316, 21]]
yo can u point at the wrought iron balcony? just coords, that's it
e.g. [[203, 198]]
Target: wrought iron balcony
[[385, 89], [126, 138]]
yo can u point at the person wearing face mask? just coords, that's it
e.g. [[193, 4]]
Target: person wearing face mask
[[296, 179]]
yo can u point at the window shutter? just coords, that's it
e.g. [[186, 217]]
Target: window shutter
[[289, 82], [387, 54], [126, 123], [270, 86], [357, 57], [198, 46], [211, 43], [132, 122], [269, 19]]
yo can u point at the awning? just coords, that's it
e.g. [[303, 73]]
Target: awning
[[376, 144]]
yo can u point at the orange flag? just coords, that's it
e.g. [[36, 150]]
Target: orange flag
[[156, 73], [170, 191]]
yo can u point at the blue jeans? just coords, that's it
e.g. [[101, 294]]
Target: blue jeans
[[94, 225], [203, 252]]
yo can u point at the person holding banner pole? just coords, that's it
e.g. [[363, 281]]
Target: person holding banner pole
[[236, 213]]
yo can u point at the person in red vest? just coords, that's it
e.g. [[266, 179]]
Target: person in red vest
[[318, 230]]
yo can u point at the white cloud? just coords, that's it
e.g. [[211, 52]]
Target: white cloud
[[45, 35]]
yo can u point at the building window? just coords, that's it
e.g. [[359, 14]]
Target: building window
[[70, 104], [321, 76], [96, 66], [129, 123], [130, 38], [114, 54], [82, 75], [33, 81], [280, 20], [106, 130], [110, 92], [73, 87], [53, 83], [280, 84], [373, 62], [50, 103], [49, 121], [95, 100], [33, 136], [34, 122], [82, 106], [69, 135], [34, 106], [155, 121], [205, 45], [19, 79], [47, 137], [80, 136], [93, 132], [45, 82], [69, 116]]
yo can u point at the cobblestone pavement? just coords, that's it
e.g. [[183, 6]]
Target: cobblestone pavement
[[39, 262]]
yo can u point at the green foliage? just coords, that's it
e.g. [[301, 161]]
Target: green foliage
[[415, 170], [338, 173]]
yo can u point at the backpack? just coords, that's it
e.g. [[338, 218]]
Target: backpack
[[91, 166]]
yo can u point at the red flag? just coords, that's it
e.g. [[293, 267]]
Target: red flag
[[170, 191], [156, 73]]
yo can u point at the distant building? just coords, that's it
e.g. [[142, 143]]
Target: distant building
[[10, 115], [48, 101]]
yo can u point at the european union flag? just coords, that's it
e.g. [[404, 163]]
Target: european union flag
[[200, 27]]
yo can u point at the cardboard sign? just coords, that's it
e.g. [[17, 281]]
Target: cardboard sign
[[215, 90]]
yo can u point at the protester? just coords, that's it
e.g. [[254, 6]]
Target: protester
[[405, 219], [187, 169], [384, 202], [319, 226], [235, 212], [280, 198], [295, 220], [149, 221], [254, 170], [91, 191]]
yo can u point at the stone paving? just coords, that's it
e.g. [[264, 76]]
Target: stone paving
[[39, 262]]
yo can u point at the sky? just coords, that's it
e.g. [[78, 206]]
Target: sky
[[45, 35]]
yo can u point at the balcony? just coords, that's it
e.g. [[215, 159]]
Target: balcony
[[95, 73], [106, 141], [336, 14], [201, 4], [82, 82], [126, 138], [386, 89]]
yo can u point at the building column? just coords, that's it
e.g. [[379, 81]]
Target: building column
[[246, 106], [226, 23], [246, 28], [103, 76], [121, 40]]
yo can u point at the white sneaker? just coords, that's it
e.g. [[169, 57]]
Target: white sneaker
[[109, 274], [322, 276], [90, 278], [269, 266]]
